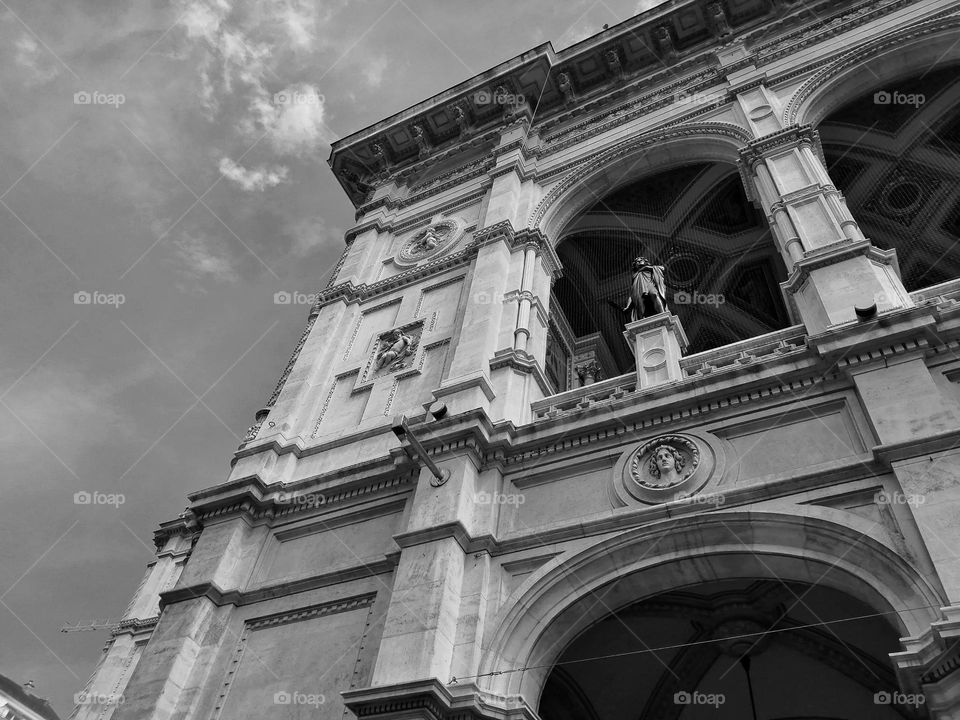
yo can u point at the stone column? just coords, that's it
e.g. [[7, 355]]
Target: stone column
[[833, 268], [657, 343]]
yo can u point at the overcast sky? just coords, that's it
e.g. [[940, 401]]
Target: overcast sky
[[184, 188]]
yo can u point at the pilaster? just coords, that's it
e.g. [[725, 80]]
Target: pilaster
[[833, 268]]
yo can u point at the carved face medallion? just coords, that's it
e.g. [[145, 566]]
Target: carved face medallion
[[666, 468], [665, 462]]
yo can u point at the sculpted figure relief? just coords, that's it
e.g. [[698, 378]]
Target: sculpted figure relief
[[648, 294], [394, 347]]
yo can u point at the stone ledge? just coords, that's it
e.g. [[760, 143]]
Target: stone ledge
[[430, 699], [219, 597]]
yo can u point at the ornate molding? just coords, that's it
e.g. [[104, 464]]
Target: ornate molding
[[862, 53], [599, 162]]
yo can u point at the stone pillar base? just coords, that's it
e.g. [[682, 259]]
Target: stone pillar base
[[829, 285], [657, 343]]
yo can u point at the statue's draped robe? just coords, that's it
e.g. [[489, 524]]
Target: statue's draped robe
[[646, 281]]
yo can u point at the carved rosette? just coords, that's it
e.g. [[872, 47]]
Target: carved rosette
[[430, 241], [692, 461]]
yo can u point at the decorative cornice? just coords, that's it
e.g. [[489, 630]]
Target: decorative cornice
[[219, 597], [351, 293], [830, 255], [431, 700], [521, 362]]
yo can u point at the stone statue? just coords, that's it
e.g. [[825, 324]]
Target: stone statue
[[666, 465], [648, 295], [420, 139], [665, 40], [394, 346], [565, 85], [720, 21], [613, 63]]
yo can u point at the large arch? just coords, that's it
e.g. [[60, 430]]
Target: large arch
[[630, 159], [890, 58], [812, 545]]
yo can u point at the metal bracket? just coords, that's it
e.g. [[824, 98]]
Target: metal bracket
[[416, 452]]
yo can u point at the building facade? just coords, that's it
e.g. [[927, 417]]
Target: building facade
[[481, 489]]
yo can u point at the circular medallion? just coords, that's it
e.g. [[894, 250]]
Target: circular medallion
[[654, 359], [666, 468], [430, 241]]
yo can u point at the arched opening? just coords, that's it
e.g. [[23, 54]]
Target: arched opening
[[722, 269], [827, 562], [894, 152], [718, 649]]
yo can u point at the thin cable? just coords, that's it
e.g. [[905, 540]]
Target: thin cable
[[694, 643]]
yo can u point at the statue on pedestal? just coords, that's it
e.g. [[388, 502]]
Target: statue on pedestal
[[648, 294]]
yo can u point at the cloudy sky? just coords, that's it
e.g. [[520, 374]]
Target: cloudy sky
[[145, 166]]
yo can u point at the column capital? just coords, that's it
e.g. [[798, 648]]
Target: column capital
[[759, 149]]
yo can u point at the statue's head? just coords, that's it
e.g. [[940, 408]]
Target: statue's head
[[639, 262], [665, 458]]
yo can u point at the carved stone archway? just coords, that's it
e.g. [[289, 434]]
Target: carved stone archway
[[895, 56], [629, 160], [810, 545]]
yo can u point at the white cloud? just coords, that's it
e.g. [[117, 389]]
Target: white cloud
[[310, 234], [373, 70], [240, 43], [199, 254], [31, 57], [259, 178], [293, 119], [644, 5]]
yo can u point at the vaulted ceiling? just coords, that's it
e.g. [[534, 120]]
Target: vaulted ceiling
[[632, 663], [898, 164], [696, 221]]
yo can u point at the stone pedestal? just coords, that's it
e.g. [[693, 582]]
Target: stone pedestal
[[657, 343]]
